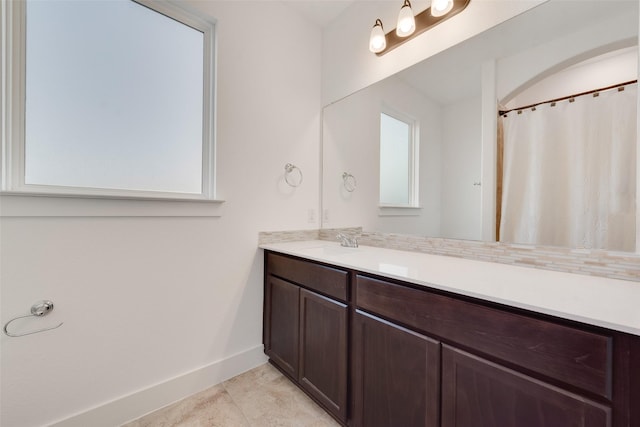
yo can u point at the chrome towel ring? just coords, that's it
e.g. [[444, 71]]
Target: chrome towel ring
[[349, 182], [292, 175], [39, 309]]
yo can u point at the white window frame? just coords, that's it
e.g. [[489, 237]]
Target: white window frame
[[414, 149], [12, 110]]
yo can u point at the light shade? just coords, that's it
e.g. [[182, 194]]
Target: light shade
[[406, 21], [441, 7], [377, 40]]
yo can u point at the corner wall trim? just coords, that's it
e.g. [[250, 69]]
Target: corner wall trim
[[142, 402]]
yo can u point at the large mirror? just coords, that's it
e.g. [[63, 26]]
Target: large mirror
[[450, 105]]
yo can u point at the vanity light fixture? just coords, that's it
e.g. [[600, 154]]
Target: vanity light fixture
[[406, 21], [377, 40], [410, 26]]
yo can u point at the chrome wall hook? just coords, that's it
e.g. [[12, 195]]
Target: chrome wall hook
[[39, 309]]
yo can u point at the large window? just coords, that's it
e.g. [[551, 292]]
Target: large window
[[398, 156], [109, 98]]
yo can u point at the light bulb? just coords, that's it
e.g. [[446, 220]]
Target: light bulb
[[377, 40], [406, 21], [441, 7]]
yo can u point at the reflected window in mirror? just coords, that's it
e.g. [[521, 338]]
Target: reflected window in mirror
[[398, 157]]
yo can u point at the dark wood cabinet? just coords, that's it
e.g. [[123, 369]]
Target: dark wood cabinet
[[476, 392], [396, 375], [573, 356], [501, 381], [305, 333], [281, 334], [323, 351], [377, 352]]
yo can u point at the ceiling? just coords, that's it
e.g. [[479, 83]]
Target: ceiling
[[324, 12], [320, 12]]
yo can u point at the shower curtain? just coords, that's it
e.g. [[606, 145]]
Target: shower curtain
[[569, 173]]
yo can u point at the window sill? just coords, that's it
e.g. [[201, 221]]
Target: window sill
[[14, 204], [400, 211]]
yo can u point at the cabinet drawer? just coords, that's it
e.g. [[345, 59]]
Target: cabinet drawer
[[326, 280], [563, 353]]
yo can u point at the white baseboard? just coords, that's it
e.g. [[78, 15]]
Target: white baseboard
[[135, 405]]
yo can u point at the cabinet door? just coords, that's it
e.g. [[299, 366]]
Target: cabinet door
[[396, 375], [476, 392], [323, 351], [281, 314]]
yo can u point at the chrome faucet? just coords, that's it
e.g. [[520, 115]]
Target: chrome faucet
[[346, 241]]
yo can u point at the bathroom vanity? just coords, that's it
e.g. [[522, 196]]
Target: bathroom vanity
[[380, 337]]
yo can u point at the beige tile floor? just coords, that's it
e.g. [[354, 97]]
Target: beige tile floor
[[262, 397]]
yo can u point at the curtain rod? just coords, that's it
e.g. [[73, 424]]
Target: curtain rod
[[503, 112]]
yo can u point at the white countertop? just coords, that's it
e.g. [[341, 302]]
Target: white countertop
[[610, 303]]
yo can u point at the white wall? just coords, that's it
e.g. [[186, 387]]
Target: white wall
[[148, 299]]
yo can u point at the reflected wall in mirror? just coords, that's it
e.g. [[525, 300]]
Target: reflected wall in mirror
[[515, 63]]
